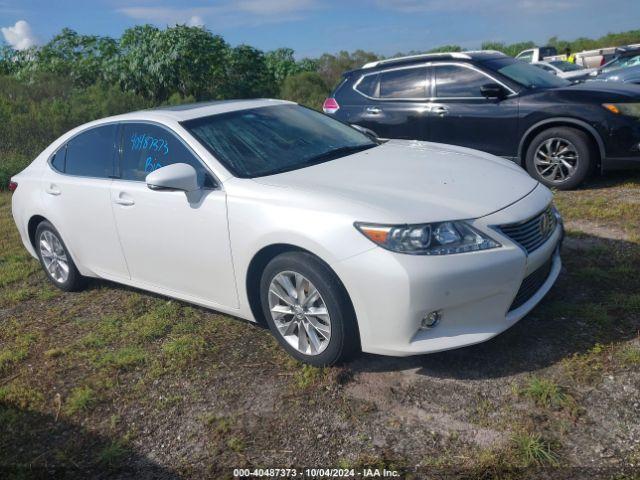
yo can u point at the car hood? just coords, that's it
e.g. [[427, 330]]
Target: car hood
[[411, 182], [620, 74], [601, 89]]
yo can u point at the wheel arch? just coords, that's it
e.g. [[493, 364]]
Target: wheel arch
[[539, 127], [32, 226], [257, 266]]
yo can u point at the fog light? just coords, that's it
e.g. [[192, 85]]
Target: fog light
[[431, 319]]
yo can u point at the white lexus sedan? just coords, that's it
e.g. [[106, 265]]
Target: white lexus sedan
[[275, 213]]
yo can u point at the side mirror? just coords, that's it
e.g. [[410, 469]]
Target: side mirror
[[492, 90], [178, 176]]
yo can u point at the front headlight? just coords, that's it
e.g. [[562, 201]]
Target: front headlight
[[629, 109], [443, 238]]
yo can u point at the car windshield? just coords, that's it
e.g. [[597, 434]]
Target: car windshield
[[274, 139], [622, 62], [566, 66], [525, 74]]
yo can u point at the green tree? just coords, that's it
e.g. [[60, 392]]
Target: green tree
[[82, 58], [157, 63], [305, 88], [281, 64], [247, 74], [331, 67]]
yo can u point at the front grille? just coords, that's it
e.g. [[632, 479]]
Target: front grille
[[532, 233], [531, 284]]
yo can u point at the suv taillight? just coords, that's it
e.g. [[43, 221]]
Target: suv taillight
[[330, 105], [13, 186]]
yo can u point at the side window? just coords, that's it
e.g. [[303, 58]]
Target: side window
[[148, 147], [91, 153], [404, 83], [58, 158], [526, 56], [369, 85], [455, 81]]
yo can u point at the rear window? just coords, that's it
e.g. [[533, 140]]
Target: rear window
[[404, 83], [91, 153], [368, 85], [57, 160]]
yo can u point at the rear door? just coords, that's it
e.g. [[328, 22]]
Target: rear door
[[76, 191], [395, 102], [461, 115]]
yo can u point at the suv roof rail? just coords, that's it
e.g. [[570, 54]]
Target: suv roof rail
[[425, 56]]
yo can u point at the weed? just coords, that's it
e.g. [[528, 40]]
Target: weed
[[532, 449], [80, 399]]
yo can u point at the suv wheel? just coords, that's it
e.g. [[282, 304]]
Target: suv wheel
[[56, 260], [307, 309], [561, 157]]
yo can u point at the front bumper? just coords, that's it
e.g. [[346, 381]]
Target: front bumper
[[392, 292]]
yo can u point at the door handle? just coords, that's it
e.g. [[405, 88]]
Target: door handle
[[374, 110], [440, 110], [124, 200], [53, 189]]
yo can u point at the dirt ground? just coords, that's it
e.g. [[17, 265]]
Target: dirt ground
[[114, 382]]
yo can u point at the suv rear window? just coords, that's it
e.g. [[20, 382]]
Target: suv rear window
[[368, 85], [404, 83]]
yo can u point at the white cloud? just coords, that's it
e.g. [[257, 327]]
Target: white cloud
[[20, 36], [195, 21], [241, 12], [274, 7], [493, 6]]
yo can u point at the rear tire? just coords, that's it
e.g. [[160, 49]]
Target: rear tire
[[293, 309], [56, 260], [561, 157]]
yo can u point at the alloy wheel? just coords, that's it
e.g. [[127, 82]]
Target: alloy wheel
[[556, 160], [53, 256], [299, 313]]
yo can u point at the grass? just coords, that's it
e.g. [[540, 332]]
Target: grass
[[183, 349], [16, 350], [531, 449], [80, 400], [113, 454], [546, 393]]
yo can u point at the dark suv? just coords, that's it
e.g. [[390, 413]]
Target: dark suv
[[557, 130]]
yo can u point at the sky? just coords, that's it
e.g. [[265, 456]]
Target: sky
[[313, 27]]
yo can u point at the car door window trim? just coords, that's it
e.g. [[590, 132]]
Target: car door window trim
[[65, 147], [218, 184], [432, 87]]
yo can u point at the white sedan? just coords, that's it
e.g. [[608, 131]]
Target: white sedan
[[275, 213]]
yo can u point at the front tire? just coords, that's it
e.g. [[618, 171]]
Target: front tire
[[307, 309], [561, 157], [56, 260]]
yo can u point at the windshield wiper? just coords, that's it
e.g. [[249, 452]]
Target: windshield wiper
[[323, 157], [337, 153]]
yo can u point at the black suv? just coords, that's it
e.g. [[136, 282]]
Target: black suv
[[488, 101]]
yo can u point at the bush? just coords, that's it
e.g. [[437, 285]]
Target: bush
[[306, 88], [33, 114]]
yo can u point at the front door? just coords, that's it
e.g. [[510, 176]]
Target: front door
[[461, 115], [171, 240]]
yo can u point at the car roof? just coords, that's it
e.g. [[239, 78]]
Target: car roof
[[469, 55], [190, 111]]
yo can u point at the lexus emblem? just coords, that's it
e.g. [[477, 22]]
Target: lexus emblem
[[545, 225]]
